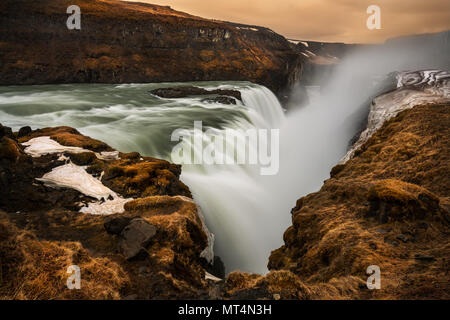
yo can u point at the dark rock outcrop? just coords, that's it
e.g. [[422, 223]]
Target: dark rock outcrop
[[187, 91], [151, 250], [135, 238], [377, 209], [123, 42]]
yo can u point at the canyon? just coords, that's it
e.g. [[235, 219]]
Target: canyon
[[87, 178]]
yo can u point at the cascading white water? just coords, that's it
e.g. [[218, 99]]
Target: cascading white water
[[248, 212], [232, 197], [235, 199]]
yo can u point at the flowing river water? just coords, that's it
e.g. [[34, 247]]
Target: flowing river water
[[247, 212]]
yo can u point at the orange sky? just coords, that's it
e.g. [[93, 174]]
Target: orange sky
[[325, 20]]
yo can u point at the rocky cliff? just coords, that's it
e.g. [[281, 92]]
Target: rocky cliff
[[121, 42], [387, 204], [58, 189]]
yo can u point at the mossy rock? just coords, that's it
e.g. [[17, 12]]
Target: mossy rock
[[82, 159], [393, 199]]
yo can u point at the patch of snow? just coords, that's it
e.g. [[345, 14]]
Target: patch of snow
[[428, 77], [310, 54], [40, 146], [108, 156], [75, 177], [209, 276], [247, 28], [408, 95], [108, 207]]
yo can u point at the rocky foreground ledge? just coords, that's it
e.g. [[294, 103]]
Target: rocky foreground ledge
[[389, 205], [127, 221]]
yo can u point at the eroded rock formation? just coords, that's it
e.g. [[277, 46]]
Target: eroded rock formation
[[149, 249], [123, 42]]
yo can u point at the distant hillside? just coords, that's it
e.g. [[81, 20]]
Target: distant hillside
[[121, 42]]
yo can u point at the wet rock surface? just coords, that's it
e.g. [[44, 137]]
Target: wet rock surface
[[188, 91]]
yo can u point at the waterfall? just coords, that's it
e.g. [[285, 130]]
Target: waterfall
[[233, 198], [248, 212]]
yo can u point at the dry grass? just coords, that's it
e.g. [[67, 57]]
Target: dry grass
[[402, 173], [34, 269]]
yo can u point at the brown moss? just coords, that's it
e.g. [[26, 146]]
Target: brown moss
[[336, 169], [144, 178], [398, 191], [33, 269], [82, 159], [9, 149], [400, 176], [68, 136]]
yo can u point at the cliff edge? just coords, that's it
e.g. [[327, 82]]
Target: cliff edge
[[123, 42]]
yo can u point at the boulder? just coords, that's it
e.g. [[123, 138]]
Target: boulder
[[186, 91], [24, 131], [115, 225], [134, 239], [6, 132]]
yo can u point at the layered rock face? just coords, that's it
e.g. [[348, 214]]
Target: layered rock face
[[122, 42], [127, 221]]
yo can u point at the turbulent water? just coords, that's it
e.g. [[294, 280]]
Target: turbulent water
[[129, 118], [246, 211]]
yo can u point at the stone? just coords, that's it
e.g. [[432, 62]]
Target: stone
[[221, 100], [115, 225], [186, 91], [6, 132], [217, 268], [134, 239], [24, 131]]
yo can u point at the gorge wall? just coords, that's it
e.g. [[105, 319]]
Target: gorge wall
[[122, 42]]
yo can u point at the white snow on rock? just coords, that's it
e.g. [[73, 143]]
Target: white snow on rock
[[413, 88], [108, 156], [117, 205], [40, 146], [75, 177], [209, 276]]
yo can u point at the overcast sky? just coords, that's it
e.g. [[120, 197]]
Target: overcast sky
[[325, 20]]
